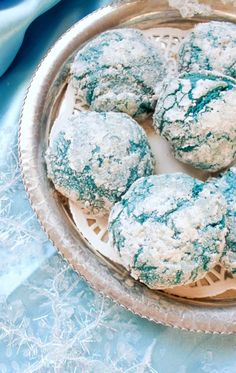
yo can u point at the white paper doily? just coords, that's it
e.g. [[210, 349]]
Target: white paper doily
[[94, 229]]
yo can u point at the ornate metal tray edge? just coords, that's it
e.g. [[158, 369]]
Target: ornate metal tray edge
[[135, 297]]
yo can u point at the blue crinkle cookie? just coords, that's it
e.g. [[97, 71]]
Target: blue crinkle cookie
[[93, 158], [196, 113], [169, 229], [226, 183], [118, 71], [210, 46]]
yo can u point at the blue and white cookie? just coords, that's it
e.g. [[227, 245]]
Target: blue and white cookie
[[210, 46], [169, 230], [93, 158], [196, 113], [119, 71], [226, 184]]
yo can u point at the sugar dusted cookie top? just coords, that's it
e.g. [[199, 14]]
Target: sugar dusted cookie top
[[210, 46], [118, 71], [226, 184], [169, 229], [196, 113], [93, 158]]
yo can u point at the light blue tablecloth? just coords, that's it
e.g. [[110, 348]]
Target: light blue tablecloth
[[50, 319]]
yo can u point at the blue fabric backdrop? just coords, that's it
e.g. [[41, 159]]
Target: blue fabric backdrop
[[15, 17]]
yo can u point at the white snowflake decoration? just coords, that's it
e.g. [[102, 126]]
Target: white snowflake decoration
[[188, 8]]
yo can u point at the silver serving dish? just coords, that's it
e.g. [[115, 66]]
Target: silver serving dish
[[40, 109]]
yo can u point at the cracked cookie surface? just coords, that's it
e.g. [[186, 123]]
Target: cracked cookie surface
[[226, 184], [119, 71], [210, 46], [93, 158], [169, 230], [196, 113]]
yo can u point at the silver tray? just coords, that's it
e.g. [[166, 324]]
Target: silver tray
[[40, 109]]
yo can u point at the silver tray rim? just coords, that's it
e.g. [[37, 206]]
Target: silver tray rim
[[155, 306]]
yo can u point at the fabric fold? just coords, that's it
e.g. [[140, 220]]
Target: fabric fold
[[15, 18]]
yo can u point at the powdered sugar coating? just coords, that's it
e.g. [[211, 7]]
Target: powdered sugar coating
[[226, 184], [196, 113], [210, 46], [118, 71], [169, 229], [93, 158]]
